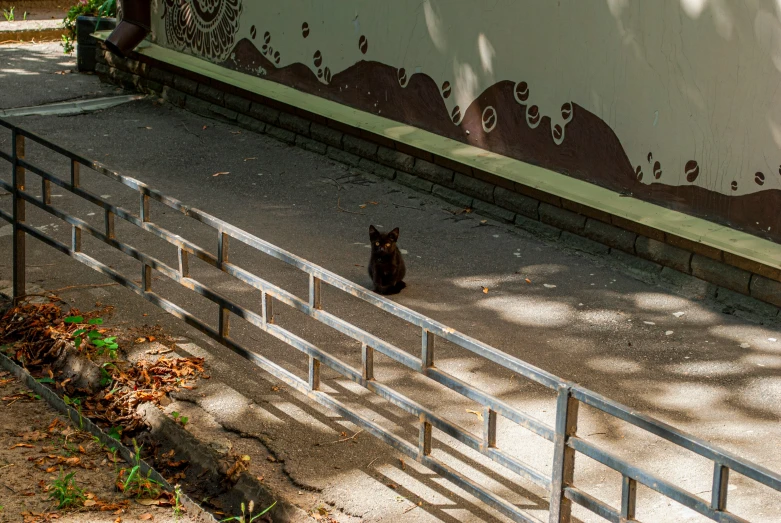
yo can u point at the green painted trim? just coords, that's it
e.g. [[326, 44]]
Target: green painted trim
[[673, 222]]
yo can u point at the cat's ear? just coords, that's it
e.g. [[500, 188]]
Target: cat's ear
[[394, 234], [373, 233]]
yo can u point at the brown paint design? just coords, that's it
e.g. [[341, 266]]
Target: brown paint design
[[206, 28], [692, 171], [591, 151]]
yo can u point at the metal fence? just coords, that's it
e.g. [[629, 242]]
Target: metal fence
[[567, 443]]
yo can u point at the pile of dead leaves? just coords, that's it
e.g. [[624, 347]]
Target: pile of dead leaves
[[38, 333], [39, 336], [132, 385]]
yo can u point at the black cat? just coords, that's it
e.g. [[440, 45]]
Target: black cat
[[386, 266]]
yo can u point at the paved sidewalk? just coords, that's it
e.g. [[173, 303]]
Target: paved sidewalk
[[583, 318]]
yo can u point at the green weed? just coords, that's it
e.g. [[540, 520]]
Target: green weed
[[133, 482], [184, 420], [65, 491], [246, 515], [88, 336], [178, 507]]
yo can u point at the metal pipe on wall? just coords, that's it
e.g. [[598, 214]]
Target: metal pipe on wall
[[134, 26]]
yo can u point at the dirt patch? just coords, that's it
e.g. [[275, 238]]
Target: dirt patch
[[38, 447]]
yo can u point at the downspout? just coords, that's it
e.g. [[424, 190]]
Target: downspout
[[135, 25]]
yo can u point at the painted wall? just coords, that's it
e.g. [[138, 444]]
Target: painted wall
[[675, 101]]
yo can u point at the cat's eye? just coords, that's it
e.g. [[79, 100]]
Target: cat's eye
[[387, 244], [377, 243]]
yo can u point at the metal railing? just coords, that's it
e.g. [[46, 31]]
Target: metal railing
[[560, 485]]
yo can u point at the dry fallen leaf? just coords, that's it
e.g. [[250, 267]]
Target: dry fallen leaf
[[204, 127], [89, 502], [148, 502], [528, 280], [140, 340], [220, 173], [392, 485], [24, 445], [235, 132], [476, 413], [485, 290], [363, 206], [251, 158], [145, 517], [151, 338]]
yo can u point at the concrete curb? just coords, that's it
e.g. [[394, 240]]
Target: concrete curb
[[163, 428], [86, 424]]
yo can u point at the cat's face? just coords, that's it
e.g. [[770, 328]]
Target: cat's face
[[383, 243]]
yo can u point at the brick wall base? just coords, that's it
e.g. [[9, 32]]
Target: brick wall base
[[694, 269]]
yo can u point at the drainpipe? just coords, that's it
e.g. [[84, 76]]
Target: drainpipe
[[135, 24]]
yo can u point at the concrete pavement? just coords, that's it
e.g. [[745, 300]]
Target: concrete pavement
[[584, 318]]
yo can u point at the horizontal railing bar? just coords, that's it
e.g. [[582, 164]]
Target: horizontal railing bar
[[673, 435], [7, 217], [593, 504], [514, 415], [292, 380], [6, 186], [653, 482], [5, 156]]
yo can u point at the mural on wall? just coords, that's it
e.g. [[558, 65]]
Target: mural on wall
[[675, 101]]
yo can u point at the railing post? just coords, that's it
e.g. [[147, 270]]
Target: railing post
[[222, 257], [223, 324], [424, 438], [75, 239], [628, 499], [427, 349], [268, 308], [720, 487], [146, 270], [489, 427], [314, 373], [184, 263], [563, 456], [222, 249], [314, 292], [75, 174], [46, 191], [108, 220], [19, 247], [367, 362]]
